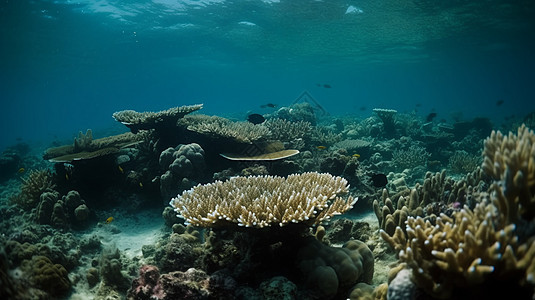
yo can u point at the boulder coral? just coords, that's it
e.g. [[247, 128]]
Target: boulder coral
[[182, 164], [47, 276], [329, 271], [61, 213]]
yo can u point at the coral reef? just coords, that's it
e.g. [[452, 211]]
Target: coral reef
[[150, 120], [493, 242], [260, 201]]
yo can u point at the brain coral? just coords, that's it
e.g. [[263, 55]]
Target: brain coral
[[47, 276], [260, 201]]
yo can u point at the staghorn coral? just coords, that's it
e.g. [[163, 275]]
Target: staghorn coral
[[260, 201], [149, 120], [511, 159], [390, 217], [218, 127], [438, 194], [493, 242], [462, 251], [37, 182]]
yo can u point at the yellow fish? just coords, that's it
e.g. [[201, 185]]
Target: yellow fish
[[21, 170], [140, 184], [121, 169], [356, 155], [109, 220], [321, 147], [66, 176]]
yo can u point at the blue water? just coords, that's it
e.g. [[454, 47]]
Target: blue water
[[66, 66]]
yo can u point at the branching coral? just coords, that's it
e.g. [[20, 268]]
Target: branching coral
[[462, 162], [410, 158], [511, 159], [260, 201], [491, 242], [324, 136]]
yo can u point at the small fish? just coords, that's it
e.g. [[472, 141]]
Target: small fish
[[379, 180], [499, 102], [256, 119], [362, 108], [66, 176], [120, 169], [327, 86], [270, 105], [21, 170], [430, 117], [321, 147], [356, 155], [140, 184], [109, 220]]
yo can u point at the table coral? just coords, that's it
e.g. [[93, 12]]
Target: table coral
[[149, 120], [260, 201]]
